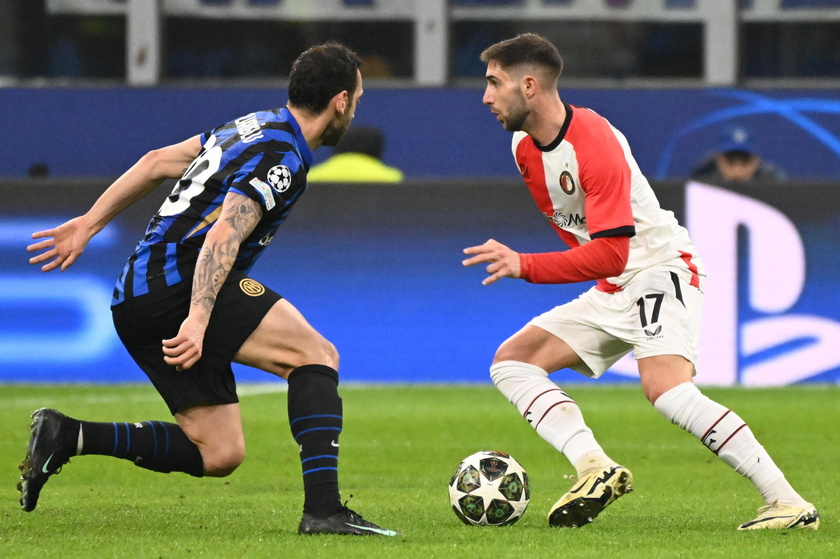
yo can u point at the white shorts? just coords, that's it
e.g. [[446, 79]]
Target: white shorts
[[657, 313]]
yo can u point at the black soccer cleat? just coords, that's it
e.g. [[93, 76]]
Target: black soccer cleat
[[45, 455], [346, 522]]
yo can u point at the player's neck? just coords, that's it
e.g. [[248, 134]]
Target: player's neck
[[311, 126], [547, 122]]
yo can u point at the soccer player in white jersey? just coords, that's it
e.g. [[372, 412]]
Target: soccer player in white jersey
[[648, 295]]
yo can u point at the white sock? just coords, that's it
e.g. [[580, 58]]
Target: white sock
[[728, 436], [550, 411]]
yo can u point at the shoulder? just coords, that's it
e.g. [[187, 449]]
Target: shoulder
[[521, 140], [587, 125], [597, 144], [518, 137]]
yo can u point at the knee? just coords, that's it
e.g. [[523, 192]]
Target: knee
[[498, 371], [517, 371], [652, 393], [330, 355], [321, 352], [318, 351], [508, 352], [221, 462], [654, 388]]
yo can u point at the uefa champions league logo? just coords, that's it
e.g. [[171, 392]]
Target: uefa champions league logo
[[280, 178]]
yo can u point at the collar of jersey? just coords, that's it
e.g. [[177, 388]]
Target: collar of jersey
[[562, 134]]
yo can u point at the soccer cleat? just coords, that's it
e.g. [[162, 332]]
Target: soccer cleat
[[591, 494], [782, 516], [45, 455], [346, 522]]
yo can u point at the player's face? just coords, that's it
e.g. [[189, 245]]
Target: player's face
[[505, 98], [336, 129]]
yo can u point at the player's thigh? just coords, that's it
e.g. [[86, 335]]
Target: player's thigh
[[284, 341], [538, 347], [582, 326], [144, 321]]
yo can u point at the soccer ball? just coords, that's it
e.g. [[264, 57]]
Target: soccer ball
[[489, 488]]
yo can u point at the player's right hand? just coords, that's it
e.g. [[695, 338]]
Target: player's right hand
[[503, 262]]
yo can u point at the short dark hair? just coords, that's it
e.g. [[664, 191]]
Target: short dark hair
[[527, 48], [320, 73]]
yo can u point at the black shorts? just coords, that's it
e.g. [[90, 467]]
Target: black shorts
[[143, 322]]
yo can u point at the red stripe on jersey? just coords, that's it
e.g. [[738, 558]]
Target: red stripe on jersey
[[603, 170], [567, 237], [607, 287], [692, 267], [530, 161]]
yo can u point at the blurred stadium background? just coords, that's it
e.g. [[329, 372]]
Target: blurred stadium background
[[88, 86]]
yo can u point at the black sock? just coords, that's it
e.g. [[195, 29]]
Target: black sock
[[154, 445], [315, 418]]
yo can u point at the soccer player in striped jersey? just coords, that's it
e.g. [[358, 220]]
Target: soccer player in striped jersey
[[648, 295], [185, 307]]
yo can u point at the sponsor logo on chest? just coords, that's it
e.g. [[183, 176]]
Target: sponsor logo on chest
[[565, 220]]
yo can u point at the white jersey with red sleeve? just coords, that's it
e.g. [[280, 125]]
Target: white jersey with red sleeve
[[588, 185]]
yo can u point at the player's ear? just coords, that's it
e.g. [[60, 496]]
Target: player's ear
[[529, 85], [341, 101]]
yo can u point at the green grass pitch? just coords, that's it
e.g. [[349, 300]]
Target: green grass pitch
[[399, 448]]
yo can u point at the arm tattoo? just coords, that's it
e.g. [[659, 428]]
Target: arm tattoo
[[240, 216]]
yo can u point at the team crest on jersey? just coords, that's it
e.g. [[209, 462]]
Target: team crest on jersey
[[567, 183], [251, 287], [280, 178]]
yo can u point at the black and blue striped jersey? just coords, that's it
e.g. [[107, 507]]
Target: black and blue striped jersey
[[262, 155]]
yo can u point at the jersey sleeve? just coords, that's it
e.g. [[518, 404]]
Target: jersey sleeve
[[270, 178], [605, 177], [599, 259]]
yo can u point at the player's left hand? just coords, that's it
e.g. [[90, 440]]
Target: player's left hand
[[504, 262]]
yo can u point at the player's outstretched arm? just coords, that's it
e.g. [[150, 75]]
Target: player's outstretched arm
[[239, 217], [63, 245], [503, 261]]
